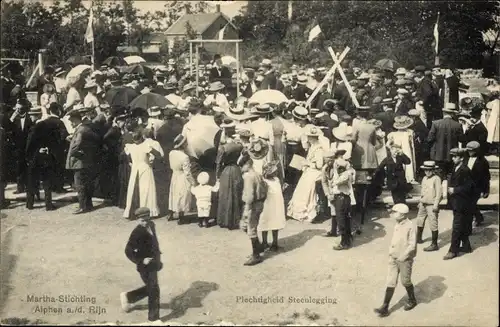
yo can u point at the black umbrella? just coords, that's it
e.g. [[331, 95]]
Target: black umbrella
[[114, 61], [139, 69], [120, 96], [148, 100], [79, 60]]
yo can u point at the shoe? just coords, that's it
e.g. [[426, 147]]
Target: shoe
[[330, 234], [80, 211], [412, 301], [432, 247], [254, 259], [466, 248], [170, 216], [383, 311], [275, 248], [420, 230], [450, 255], [127, 307], [51, 208], [340, 247], [358, 231]]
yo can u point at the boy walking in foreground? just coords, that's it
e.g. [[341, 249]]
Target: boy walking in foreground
[[143, 250], [401, 253]]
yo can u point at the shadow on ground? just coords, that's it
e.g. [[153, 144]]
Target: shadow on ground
[[295, 241], [428, 290], [8, 263], [371, 231], [191, 298]]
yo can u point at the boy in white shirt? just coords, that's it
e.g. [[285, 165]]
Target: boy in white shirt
[[402, 251]]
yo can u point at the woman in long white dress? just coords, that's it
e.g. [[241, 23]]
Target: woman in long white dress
[[273, 216], [404, 137], [180, 198], [303, 205], [142, 182]]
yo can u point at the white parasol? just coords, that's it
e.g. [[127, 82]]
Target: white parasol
[[267, 96], [174, 99], [130, 60], [200, 133], [229, 61], [75, 73]]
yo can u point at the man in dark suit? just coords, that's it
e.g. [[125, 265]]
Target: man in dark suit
[[301, 92], [393, 166], [453, 83], [480, 172], [444, 135], [387, 116], [403, 103], [21, 124], [143, 249], [420, 134], [3, 203], [460, 198], [82, 159], [476, 131], [270, 81], [220, 73], [46, 140], [428, 94], [289, 89]]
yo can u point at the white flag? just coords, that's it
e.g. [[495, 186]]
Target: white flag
[[290, 10], [436, 35], [89, 33], [221, 32], [314, 32]]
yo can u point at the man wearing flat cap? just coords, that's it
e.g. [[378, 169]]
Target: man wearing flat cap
[[480, 172], [143, 250], [460, 198], [475, 130]]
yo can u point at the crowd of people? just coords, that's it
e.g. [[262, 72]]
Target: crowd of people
[[249, 165]]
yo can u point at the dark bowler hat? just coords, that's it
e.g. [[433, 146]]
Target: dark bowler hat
[[420, 69], [143, 213], [456, 152]]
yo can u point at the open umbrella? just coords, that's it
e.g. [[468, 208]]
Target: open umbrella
[[114, 61], [267, 96], [76, 72], [387, 64], [79, 60], [120, 96], [148, 100], [174, 99], [130, 60], [138, 69]]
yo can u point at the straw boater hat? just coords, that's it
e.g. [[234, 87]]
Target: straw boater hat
[[402, 122], [301, 79], [429, 165], [402, 91], [387, 101], [262, 109], [154, 111], [179, 141], [216, 86], [238, 113], [188, 87], [450, 108], [300, 112], [258, 149], [400, 71], [266, 63]]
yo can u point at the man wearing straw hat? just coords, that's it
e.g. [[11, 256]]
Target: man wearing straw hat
[[216, 98], [270, 81]]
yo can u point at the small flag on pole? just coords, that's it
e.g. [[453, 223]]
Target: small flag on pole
[[314, 32], [436, 35], [89, 33], [290, 10], [221, 32]]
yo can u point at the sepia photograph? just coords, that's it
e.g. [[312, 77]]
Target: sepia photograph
[[242, 163]]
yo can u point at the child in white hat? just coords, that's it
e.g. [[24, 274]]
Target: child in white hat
[[203, 195], [402, 251]]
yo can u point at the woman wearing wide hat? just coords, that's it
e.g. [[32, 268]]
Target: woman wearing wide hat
[[229, 178], [343, 140], [181, 199], [403, 136], [302, 206]]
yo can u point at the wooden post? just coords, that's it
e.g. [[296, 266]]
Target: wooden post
[[197, 73], [344, 78], [325, 79], [237, 70], [191, 58], [40, 62]]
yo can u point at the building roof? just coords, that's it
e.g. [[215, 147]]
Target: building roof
[[199, 22]]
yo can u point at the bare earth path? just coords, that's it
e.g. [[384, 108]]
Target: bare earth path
[[53, 254]]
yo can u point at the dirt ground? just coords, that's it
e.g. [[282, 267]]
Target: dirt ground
[[204, 281]]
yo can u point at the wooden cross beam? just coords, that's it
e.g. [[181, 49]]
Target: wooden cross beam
[[344, 78], [327, 76]]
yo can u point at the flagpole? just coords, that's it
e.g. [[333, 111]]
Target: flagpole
[[436, 35], [93, 55]]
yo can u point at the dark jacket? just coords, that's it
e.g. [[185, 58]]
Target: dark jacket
[[166, 134], [270, 82], [49, 133], [453, 84], [477, 133], [223, 75], [480, 174], [83, 148], [444, 135], [462, 183], [20, 134], [428, 93], [395, 173], [403, 108], [141, 244], [387, 119]]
